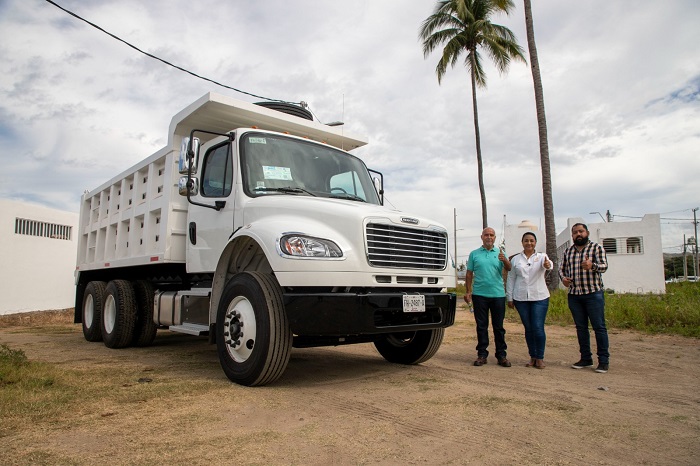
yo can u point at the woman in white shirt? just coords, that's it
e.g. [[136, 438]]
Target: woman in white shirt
[[526, 290]]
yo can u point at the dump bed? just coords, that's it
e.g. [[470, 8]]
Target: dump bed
[[139, 218]]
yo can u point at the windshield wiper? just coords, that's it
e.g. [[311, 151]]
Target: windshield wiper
[[287, 189], [349, 196]]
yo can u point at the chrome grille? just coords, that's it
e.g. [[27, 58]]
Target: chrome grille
[[406, 248]]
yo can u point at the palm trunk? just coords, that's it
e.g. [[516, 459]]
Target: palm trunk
[[550, 230], [479, 162]]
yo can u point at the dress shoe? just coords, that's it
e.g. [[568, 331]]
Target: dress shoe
[[504, 362]]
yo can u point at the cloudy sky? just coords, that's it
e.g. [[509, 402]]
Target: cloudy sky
[[621, 82]]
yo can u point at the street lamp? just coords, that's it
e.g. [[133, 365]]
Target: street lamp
[[601, 215]]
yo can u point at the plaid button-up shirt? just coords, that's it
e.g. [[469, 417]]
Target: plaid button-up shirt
[[584, 281]]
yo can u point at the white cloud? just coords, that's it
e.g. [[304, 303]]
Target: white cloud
[[621, 82]]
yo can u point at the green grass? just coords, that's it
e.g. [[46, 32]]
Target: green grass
[[38, 393], [16, 370], [677, 312], [28, 390]]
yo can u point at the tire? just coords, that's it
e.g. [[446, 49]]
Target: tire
[[92, 310], [253, 337], [118, 314], [410, 347], [145, 329]]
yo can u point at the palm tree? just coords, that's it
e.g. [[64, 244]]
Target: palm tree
[[464, 26], [549, 228]]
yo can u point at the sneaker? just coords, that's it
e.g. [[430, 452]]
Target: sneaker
[[504, 362], [582, 363], [480, 361], [602, 368]]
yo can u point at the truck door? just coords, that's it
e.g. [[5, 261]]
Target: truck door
[[209, 229]]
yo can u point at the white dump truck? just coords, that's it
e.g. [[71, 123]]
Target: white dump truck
[[255, 227]]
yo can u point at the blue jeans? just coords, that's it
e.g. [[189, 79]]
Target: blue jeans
[[591, 307], [533, 314], [497, 306]]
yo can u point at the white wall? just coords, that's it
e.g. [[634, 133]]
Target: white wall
[[36, 272], [628, 273], [514, 236]]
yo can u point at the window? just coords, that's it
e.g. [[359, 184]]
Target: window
[[278, 165], [347, 183], [631, 245], [634, 245], [610, 245], [25, 226], [217, 172]]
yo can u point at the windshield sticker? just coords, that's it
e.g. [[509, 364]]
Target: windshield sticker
[[277, 173], [257, 140]]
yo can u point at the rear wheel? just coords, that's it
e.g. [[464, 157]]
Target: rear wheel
[[253, 337], [118, 314], [410, 347], [92, 310], [145, 329]]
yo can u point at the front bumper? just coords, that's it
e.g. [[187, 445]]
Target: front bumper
[[341, 314]]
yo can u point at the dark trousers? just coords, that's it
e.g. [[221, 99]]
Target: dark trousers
[[497, 307], [591, 307]]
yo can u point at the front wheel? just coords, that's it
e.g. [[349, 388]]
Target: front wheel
[[253, 337], [410, 347]]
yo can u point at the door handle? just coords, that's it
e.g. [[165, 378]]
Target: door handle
[[193, 233]]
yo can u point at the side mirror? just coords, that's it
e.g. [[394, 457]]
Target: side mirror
[[182, 186], [189, 155], [378, 182], [378, 185]]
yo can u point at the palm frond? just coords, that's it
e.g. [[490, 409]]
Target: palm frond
[[462, 27]]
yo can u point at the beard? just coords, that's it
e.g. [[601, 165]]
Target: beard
[[581, 241]]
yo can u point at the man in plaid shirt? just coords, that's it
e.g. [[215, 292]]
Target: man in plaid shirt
[[580, 271]]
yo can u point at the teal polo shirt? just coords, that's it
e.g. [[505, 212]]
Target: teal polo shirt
[[488, 273]]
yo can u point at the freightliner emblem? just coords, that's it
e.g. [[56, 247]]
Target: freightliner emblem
[[414, 221]]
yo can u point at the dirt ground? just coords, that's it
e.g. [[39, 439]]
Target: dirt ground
[[346, 405]]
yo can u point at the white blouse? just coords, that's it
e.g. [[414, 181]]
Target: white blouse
[[526, 278]]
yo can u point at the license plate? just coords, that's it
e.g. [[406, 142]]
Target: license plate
[[413, 303]]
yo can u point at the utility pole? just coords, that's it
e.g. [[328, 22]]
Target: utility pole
[[685, 262], [455, 237], [695, 224]]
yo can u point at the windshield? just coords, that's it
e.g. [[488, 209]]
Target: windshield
[[274, 164]]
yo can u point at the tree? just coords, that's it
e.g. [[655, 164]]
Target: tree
[[549, 227], [465, 27]]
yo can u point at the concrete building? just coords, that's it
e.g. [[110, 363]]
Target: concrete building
[[38, 246], [635, 257], [514, 233]]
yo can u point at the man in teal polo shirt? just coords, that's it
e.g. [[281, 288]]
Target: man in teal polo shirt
[[484, 286]]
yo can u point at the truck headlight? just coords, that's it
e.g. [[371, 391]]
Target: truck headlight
[[307, 246]]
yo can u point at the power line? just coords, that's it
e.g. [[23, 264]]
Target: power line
[[160, 59], [675, 211], [662, 218]]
